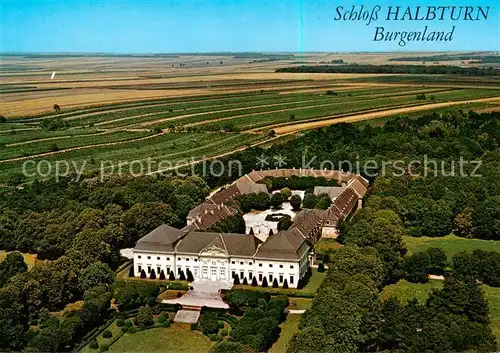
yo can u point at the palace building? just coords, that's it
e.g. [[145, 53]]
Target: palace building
[[283, 258]]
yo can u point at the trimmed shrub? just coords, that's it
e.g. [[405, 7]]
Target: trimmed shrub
[[104, 347], [171, 276], [162, 318], [132, 330], [107, 334], [152, 275], [264, 283], [182, 277], [254, 282], [131, 271], [120, 322], [125, 329], [223, 332], [129, 323], [166, 323], [245, 282], [220, 324], [143, 274], [275, 283], [285, 284], [179, 294], [321, 267], [94, 344], [162, 275], [190, 277], [194, 326], [212, 336], [236, 280]]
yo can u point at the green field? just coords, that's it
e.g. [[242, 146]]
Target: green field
[[451, 244], [176, 339], [405, 290], [288, 329], [29, 259]]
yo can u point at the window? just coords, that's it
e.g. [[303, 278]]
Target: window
[[149, 269], [242, 274], [233, 262], [250, 263], [260, 277], [250, 275], [158, 270], [291, 279], [281, 266], [270, 265], [149, 257], [139, 268], [281, 278], [291, 266], [179, 270], [270, 277], [260, 265], [195, 260], [157, 258], [168, 270], [233, 274], [241, 262], [178, 259], [187, 258], [168, 258], [138, 256], [196, 272]]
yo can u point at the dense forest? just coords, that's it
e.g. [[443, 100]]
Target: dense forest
[[80, 227], [394, 69], [485, 59]]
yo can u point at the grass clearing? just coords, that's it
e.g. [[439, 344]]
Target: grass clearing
[[177, 338], [451, 244], [30, 259], [289, 328], [300, 303], [405, 290]]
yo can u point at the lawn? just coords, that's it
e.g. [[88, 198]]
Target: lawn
[[300, 303], [176, 339], [326, 244], [451, 244], [288, 329], [310, 288], [406, 290], [115, 330], [30, 259]]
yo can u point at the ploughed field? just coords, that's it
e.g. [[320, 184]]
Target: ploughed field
[[215, 113]]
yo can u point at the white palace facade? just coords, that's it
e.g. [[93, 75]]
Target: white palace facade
[[282, 259]]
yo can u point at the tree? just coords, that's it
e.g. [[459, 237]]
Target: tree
[[245, 282], [286, 192], [145, 317], [285, 223], [229, 347], [190, 277], [182, 276], [487, 218], [57, 107], [97, 273], [310, 201], [296, 202], [171, 277], [254, 282], [2, 119], [131, 271], [276, 200], [464, 224], [275, 283], [321, 267], [323, 203], [236, 280], [12, 265], [152, 274], [143, 274], [264, 283], [416, 267], [162, 275], [285, 284]]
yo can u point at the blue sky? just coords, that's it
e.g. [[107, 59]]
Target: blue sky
[[163, 26]]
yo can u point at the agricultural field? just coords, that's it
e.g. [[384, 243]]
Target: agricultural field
[[182, 109]]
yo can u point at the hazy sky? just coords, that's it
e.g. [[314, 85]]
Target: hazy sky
[[154, 26]]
